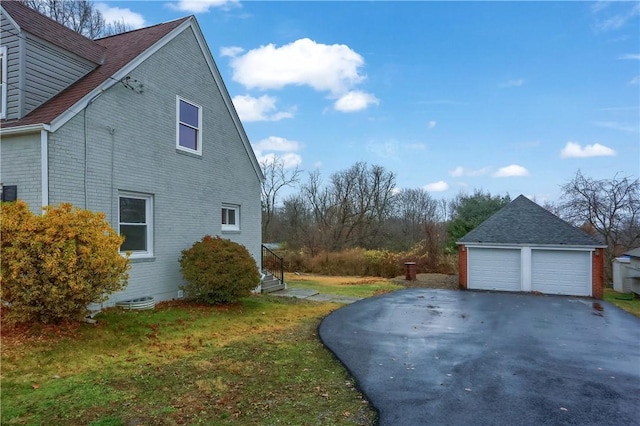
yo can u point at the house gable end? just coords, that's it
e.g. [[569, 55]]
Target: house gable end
[[226, 97]]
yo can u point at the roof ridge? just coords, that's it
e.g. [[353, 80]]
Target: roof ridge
[[184, 18]]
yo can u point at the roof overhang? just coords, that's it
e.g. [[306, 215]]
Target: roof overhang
[[480, 244], [18, 130]]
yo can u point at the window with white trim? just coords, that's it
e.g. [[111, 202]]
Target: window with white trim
[[135, 223], [188, 126], [230, 217], [3, 82]]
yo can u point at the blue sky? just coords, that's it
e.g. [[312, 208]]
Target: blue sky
[[507, 97]]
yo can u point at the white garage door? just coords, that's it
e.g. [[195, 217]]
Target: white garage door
[[561, 272], [494, 269]]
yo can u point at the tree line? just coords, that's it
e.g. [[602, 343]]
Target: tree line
[[362, 207], [82, 16]]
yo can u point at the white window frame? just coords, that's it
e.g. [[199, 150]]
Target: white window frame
[[149, 222], [3, 89], [236, 225], [198, 149]]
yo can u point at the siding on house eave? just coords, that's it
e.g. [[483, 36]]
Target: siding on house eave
[[9, 38], [36, 69], [48, 71]]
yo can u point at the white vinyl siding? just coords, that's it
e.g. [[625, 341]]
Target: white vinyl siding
[[561, 272], [3, 82], [494, 269], [12, 42], [48, 70]]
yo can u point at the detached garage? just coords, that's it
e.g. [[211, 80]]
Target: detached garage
[[524, 247]]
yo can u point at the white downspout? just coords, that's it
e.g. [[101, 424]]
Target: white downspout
[[44, 167]]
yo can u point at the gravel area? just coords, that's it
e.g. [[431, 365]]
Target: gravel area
[[429, 281]]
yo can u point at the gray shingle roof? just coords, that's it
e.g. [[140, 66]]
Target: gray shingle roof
[[524, 222], [633, 253]]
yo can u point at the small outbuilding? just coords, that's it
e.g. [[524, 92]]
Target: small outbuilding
[[524, 247], [631, 280]]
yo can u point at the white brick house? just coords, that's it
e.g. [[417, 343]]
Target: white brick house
[[137, 125]]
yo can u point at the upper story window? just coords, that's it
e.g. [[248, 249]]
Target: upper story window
[[135, 223], [230, 217], [188, 126], [3, 82]]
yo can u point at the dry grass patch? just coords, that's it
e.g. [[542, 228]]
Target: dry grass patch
[[342, 285], [253, 363]]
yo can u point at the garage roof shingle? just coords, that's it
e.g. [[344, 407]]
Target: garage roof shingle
[[524, 222]]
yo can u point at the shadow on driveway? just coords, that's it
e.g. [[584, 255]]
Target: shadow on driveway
[[446, 357]]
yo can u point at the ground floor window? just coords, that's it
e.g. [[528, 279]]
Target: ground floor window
[[230, 217], [135, 223]]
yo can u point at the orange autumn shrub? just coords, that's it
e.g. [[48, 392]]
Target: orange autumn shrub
[[54, 265]]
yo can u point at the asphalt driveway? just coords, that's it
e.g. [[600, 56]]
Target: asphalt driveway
[[441, 357]]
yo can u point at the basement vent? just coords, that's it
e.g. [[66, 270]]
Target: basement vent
[[140, 304]]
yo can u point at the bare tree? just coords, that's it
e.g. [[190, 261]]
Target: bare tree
[[116, 27], [414, 208], [611, 207], [79, 15], [276, 177], [351, 209]]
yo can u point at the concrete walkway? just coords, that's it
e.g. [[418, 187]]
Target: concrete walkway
[[307, 294]]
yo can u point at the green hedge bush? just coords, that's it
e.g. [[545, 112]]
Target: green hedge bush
[[54, 265], [218, 271]]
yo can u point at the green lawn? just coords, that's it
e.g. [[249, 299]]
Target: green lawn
[[342, 285], [258, 362], [632, 306]]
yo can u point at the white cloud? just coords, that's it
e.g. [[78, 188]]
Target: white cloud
[[199, 6], [574, 150], [259, 109], [599, 6], [617, 20], [512, 83], [635, 80], [355, 101], [432, 124], [463, 171], [289, 159], [632, 56], [512, 170], [120, 14], [616, 126], [387, 149], [418, 146], [438, 186], [275, 148], [334, 68], [231, 51], [276, 143]]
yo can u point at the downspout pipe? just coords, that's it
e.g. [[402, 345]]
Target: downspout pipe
[[44, 167]]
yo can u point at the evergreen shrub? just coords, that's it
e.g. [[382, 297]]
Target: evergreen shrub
[[218, 271]]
